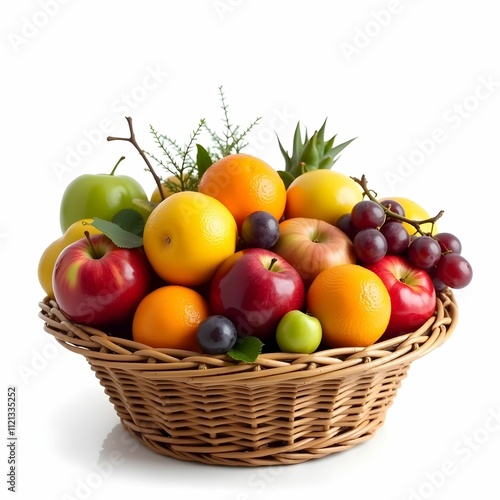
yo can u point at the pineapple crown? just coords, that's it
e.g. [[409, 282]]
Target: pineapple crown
[[310, 153]]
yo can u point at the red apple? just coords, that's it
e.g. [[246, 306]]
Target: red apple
[[255, 288], [312, 245], [412, 293], [99, 284]]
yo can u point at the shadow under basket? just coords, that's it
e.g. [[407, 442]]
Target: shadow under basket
[[281, 409]]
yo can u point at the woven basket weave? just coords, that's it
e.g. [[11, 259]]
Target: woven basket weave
[[281, 409]]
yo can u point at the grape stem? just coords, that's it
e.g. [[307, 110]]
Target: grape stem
[[363, 182], [133, 141]]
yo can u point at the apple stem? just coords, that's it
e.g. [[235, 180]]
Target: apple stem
[[117, 163], [271, 264], [133, 141], [363, 182], [92, 248]]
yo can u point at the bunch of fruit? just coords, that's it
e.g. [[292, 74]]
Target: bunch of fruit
[[229, 255]]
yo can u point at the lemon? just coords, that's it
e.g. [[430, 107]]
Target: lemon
[[187, 236], [322, 194], [48, 258]]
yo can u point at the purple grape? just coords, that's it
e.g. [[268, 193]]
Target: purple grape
[[424, 251], [454, 270], [367, 214], [439, 286], [260, 229], [370, 245], [345, 224], [449, 243], [216, 334], [395, 207], [397, 237]]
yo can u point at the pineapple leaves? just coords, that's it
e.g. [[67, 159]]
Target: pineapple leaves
[[310, 153]]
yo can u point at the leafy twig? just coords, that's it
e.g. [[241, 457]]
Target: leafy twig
[[181, 163], [231, 139]]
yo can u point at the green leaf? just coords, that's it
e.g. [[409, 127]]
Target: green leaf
[[246, 349], [203, 160], [286, 177], [130, 220], [120, 237]]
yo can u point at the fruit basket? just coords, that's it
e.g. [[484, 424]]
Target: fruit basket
[[243, 315], [280, 409]]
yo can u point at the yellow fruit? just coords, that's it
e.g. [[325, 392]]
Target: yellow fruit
[[187, 236], [168, 317], [245, 184], [415, 212], [155, 195], [351, 303], [322, 194], [49, 256]]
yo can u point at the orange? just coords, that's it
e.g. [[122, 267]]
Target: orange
[[187, 236], [321, 194], [245, 184], [168, 317], [413, 211], [351, 303]]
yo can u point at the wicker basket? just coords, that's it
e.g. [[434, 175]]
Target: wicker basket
[[282, 409]]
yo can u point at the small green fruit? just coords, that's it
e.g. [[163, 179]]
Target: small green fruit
[[298, 332]]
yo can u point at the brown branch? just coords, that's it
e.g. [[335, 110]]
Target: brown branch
[[363, 182], [133, 141]]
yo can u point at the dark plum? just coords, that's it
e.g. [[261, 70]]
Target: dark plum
[[260, 229], [216, 334]]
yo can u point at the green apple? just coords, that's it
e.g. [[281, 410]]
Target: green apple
[[99, 195], [298, 332]]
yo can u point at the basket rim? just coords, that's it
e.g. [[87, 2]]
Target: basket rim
[[102, 349]]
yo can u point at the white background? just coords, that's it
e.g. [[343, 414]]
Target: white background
[[418, 84]]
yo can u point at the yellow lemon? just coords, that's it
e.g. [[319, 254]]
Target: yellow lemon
[[49, 256], [322, 194], [187, 236]]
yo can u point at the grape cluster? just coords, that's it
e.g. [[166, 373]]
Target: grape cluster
[[376, 230]]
